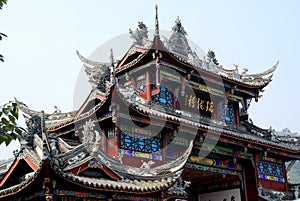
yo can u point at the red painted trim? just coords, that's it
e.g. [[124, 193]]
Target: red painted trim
[[155, 91], [12, 167], [110, 173], [105, 169], [123, 60], [31, 164], [79, 169]]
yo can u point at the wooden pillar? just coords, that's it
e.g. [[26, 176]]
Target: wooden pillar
[[183, 87], [236, 113], [244, 184], [250, 181], [134, 86], [285, 176], [104, 140], [148, 86]]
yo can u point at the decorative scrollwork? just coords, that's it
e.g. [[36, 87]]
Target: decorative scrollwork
[[91, 137], [33, 127], [179, 188], [140, 35]]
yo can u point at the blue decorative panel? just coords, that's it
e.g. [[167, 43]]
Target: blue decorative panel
[[139, 143], [270, 171], [164, 97], [229, 118]]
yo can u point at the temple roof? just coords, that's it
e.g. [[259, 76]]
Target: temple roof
[[20, 186], [55, 120], [126, 185], [178, 46], [64, 158]]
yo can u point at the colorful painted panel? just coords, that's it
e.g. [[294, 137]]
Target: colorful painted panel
[[226, 164], [136, 130], [214, 169], [95, 164], [270, 171], [131, 197], [169, 76], [78, 194], [151, 156]]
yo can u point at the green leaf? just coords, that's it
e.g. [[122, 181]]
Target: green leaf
[[5, 110], [12, 119], [19, 131], [2, 138], [13, 136], [9, 130], [15, 111], [5, 122], [2, 2], [8, 139]]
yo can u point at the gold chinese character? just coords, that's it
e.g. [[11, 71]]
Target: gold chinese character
[[186, 100], [200, 104], [209, 106], [192, 101]]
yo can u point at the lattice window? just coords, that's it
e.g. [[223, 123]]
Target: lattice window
[[164, 97], [230, 118], [139, 143]]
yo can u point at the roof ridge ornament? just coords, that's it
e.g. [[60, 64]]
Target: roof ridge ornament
[[156, 21], [98, 73], [178, 28], [112, 69], [178, 42], [140, 35]]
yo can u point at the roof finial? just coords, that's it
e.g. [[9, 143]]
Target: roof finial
[[156, 21], [112, 57], [112, 68]]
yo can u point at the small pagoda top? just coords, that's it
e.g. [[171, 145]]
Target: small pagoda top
[[178, 46]]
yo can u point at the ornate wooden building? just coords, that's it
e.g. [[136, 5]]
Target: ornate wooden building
[[159, 124]]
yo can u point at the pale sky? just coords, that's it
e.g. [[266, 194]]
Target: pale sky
[[41, 66]]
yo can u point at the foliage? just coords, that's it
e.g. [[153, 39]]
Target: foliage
[[1, 36], [212, 57], [2, 2], [9, 129], [9, 113]]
